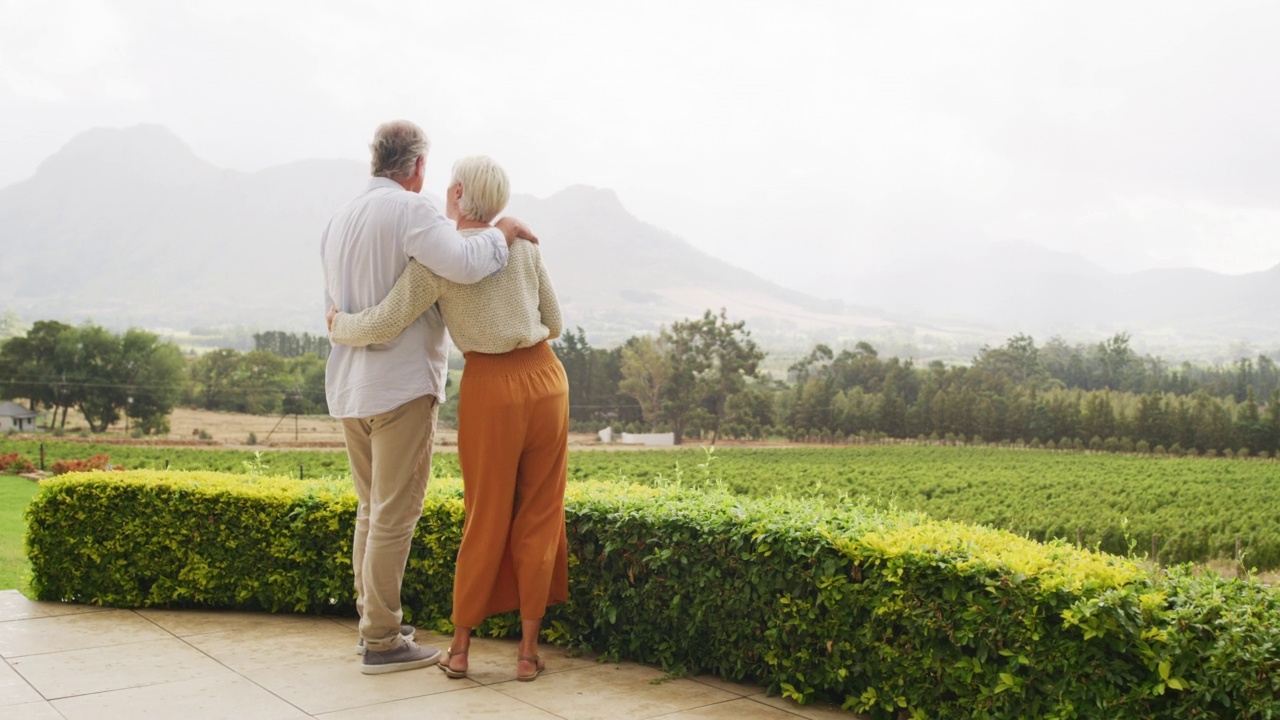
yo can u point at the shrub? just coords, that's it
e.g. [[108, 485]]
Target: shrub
[[885, 613], [90, 464], [16, 464]]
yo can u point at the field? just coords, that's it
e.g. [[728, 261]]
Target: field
[[1171, 509]]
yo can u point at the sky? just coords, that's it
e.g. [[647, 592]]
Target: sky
[[810, 142]]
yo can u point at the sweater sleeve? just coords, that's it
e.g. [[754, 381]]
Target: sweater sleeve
[[412, 294], [548, 303]]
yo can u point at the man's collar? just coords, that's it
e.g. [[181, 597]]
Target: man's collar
[[378, 182]]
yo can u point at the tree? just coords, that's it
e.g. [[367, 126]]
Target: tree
[[1118, 365], [36, 367], [749, 414], [735, 359], [262, 384], [575, 355], [814, 361], [711, 359], [292, 345], [214, 375], [812, 408], [1018, 361], [1097, 417], [154, 374], [306, 375], [1151, 422], [646, 374], [1251, 430], [860, 367], [99, 394]]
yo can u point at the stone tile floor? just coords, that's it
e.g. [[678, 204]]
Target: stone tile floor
[[78, 662]]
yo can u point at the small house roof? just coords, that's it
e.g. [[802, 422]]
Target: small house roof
[[8, 408]]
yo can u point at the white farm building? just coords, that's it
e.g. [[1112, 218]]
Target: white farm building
[[16, 417]]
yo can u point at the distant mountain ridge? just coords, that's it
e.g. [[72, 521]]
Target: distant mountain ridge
[[1025, 286], [128, 227]]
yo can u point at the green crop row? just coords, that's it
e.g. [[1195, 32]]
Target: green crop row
[[1178, 509]]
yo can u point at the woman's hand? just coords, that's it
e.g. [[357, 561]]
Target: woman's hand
[[328, 318]]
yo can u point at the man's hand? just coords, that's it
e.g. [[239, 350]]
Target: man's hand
[[328, 318], [513, 228]]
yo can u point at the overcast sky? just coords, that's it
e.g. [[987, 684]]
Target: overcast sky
[[805, 141]]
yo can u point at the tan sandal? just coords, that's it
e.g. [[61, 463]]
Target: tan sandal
[[538, 665], [449, 672]]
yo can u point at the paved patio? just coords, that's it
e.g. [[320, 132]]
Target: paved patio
[[78, 662]]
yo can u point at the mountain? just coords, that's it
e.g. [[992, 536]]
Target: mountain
[[1024, 287], [618, 275], [128, 227]]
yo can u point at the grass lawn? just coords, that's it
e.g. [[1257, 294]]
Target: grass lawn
[[15, 493]]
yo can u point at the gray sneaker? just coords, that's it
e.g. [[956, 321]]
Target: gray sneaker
[[408, 632], [407, 656]]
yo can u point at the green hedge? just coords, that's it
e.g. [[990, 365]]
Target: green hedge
[[893, 615]]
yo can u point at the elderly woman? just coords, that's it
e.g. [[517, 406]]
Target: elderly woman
[[513, 420]]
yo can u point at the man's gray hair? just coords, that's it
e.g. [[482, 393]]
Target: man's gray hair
[[395, 149]]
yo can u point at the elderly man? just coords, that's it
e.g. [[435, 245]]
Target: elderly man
[[387, 395]]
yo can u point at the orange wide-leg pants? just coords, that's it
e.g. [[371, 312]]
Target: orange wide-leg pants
[[513, 435]]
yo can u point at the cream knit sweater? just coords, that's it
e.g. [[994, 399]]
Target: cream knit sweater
[[513, 308]]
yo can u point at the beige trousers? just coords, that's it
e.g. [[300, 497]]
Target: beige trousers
[[390, 463]]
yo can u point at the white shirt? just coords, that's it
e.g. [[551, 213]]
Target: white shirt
[[365, 247]]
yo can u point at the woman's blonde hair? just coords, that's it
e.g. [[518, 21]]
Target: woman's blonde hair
[[485, 188]]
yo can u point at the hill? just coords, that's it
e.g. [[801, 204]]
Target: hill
[[1023, 286], [128, 227]]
